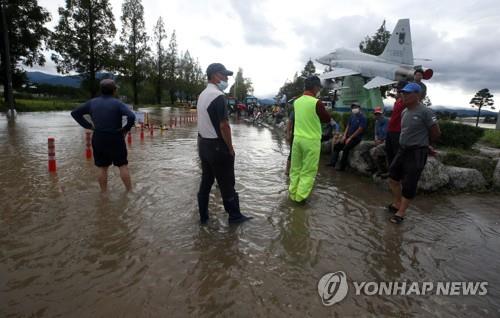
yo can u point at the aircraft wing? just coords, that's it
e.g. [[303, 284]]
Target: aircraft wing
[[338, 72], [378, 82]]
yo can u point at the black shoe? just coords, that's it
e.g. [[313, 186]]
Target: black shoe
[[331, 164], [239, 219], [340, 169]]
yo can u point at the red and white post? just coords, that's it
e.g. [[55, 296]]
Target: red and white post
[[52, 154], [88, 144]]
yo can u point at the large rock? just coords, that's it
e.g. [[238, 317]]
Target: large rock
[[487, 151], [465, 178], [496, 176], [360, 160], [434, 176], [486, 166]]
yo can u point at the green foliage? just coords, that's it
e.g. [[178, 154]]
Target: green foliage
[[158, 61], [459, 135], [133, 51], [38, 105], [376, 43], [46, 90], [295, 87], [25, 21], [171, 66], [83, 39], [492, 138]]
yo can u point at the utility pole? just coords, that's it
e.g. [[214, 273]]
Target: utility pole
[[9, 98]]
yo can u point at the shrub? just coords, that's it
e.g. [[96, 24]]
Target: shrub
[[492, 138], [459, 135]]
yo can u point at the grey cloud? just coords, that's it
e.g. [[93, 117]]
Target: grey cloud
[[257, 30], [470, 63], [210, 40]]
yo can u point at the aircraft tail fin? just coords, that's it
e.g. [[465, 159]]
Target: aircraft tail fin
[[399, 48]]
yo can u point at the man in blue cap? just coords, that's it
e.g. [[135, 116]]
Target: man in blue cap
[[419, 128]]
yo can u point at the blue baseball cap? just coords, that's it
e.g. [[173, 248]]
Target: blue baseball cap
[[411, 88]]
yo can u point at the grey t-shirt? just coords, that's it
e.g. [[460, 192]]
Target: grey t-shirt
[[415, 126]]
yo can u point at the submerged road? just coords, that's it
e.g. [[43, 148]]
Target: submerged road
[[67, 251]]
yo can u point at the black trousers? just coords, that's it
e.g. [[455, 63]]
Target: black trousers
[[216, 164], [345, 148], [391, 146]]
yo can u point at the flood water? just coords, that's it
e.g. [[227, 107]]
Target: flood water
[[67, 251]]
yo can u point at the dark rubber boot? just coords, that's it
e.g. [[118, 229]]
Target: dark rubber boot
[[203, 208], [232, 207], [333, 160]]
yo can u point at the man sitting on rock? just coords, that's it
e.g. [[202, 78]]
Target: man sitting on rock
[[351, 138], [377, 153], [418, 128]]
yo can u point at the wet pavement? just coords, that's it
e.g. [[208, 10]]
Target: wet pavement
[[67, 251]]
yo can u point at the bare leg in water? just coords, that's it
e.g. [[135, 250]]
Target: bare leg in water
[[125, 175], [103, 179]]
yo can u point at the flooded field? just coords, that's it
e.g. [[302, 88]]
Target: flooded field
[[67, 251]]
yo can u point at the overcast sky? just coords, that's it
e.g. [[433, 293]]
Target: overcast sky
[[272, 39]]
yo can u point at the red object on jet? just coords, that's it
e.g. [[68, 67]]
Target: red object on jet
[[428, 74]]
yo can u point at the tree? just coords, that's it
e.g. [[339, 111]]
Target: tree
[[82, 39], [171, 65], [133, 49], [295, 87], [159, 60], [190, 79], [375, 44], [481, 99], [23, 34], [242, 86], [309, 69]]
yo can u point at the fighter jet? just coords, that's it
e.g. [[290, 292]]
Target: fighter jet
[[394, 64]]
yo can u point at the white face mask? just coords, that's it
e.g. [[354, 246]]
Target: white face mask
[[222, 85], [355, 110]]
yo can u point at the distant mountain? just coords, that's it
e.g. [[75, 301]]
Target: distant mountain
[[461, 111], [464, 112], [68, 80], [44, 78]]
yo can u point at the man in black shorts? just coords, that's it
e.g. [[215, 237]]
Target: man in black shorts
[[108, 139], [419, 127]]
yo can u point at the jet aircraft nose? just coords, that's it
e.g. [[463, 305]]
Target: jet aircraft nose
[[325, 60]]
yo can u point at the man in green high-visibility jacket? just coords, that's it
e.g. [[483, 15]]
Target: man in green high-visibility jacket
[[309, 113]]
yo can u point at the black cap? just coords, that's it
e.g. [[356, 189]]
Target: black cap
[[217, 68], [419, 70], [355, 104], [312, 81]]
